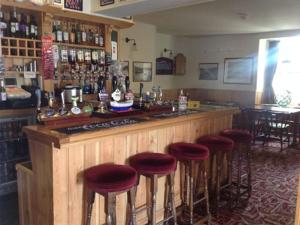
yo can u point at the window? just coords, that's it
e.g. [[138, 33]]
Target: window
[[287, 75]]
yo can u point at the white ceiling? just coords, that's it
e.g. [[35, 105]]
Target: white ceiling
[[227, 17]]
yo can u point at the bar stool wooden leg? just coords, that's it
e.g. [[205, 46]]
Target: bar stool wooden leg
[[191, 191], [186, 193], [249, 170], [230, 171], [154, 179], [131, 201], [110, 209], [218, 182], [91, 200], [206, 190], [172, 196], [239, 173]]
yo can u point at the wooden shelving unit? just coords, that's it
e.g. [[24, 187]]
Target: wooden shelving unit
[[78, 46], [21, 48]]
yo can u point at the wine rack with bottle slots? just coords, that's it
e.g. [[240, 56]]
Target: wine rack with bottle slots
[[13, 150], [21, 48]]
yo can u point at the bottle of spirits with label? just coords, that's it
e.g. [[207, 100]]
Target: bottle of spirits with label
[[59, 33], [78, 35], [72, 34], [182, 101], [54, 31], [83, 35], [65, 33], [3, 95], [101, 38]]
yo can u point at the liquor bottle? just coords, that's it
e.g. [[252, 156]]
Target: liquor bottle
[[182, 101], [33, 28], [65, 33], [64, 54], [23, 27], [87, 57], [27, 26], [101, 38], [96, 38], [78, 35], [83, 35], [90, 37], [80, 56], [72, 34], [3, 22], [59, 33], [14, 24], [72, 56], [95, 57], [54, 31], [3, 96]]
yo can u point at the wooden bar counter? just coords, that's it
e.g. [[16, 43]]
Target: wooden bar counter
[[51, 190]]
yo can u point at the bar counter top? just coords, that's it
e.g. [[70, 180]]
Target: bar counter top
[[51, 134]]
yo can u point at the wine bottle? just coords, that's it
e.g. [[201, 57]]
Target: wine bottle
[[14, 24], [33, 28], [3, 22], [28, 26], [95, 57], [96, 38], [101, 38], [23, 27], [78, 35]]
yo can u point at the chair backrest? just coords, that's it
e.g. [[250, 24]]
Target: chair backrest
[[277, 121]]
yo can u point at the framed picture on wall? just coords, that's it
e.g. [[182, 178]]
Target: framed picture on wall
[[238, 70], [125, 67], [208, 71], [73, 4], [142, 71], [106, 2]]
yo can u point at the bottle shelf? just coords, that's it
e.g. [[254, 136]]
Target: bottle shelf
[[21, 48], [78, 46]]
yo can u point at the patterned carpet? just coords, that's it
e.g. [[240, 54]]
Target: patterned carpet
[[273, 200], [275, 181]]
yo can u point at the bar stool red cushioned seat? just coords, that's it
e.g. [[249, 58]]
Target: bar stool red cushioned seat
[[149, 163], [237, 135], [154, 165], [191, 155], [186, 151], [110, 178], [216, 142]]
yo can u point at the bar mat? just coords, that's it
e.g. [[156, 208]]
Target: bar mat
[[173, 114], [99, 126]]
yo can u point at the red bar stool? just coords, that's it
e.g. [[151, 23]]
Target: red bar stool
[[110, 180], [192, 155], [242, 140], [219, 147], [155, 165]]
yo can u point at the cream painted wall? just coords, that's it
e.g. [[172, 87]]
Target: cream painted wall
[[213, 49], [150, 45]]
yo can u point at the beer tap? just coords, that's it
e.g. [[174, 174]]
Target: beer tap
[[63, 110]]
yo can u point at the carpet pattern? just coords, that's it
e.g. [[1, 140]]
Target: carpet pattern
[[274, 189]]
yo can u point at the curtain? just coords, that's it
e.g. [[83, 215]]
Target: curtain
[[268, 96]]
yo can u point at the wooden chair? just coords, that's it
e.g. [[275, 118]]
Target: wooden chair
[[277, 127]]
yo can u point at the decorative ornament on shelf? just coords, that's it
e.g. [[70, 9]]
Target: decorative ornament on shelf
[[283, 98]]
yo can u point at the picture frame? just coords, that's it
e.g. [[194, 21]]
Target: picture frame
[[238, 70], [73, 4], [106, 2], [142, 71], [208, 71], [125, 67]]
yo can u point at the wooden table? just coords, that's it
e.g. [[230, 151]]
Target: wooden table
[[53, 193], [293, 111]]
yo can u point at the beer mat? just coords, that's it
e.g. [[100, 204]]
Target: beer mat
[[99, 126], [173, 114]]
